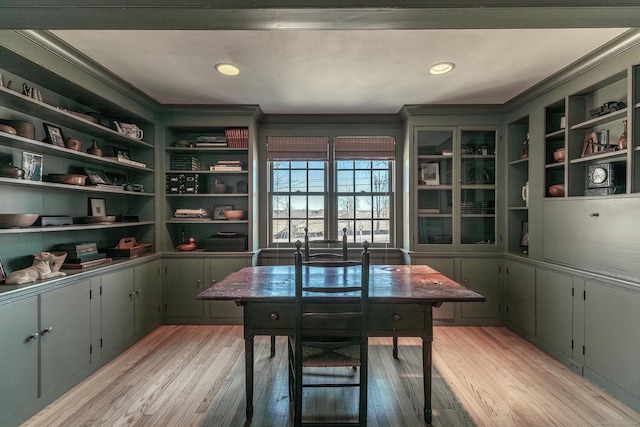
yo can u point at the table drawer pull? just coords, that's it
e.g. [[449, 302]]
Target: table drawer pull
[[274, 316], [396, 317]]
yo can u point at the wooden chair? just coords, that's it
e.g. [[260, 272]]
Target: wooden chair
[[310, 257], [331, 327]]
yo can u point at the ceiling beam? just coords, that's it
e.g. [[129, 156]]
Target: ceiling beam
[[312, 15]]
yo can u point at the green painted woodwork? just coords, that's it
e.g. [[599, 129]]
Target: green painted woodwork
[[148, 299], [481, 275], [64, 349], [184, 278], [221, 268], [117, 296], [554, 309], [446, 266], [612, 335], [18, 355], [520, 294]]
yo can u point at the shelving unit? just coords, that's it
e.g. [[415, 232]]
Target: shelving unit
[[64, 105], [554, 140], [455, 174], [518, 179], [236, 195]]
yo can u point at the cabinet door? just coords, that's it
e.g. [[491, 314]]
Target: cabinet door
[[554, 309], [446, 266], [221, 268], [184, 280], [482, 276], [148, 289], [521, 296], [65, 334], [18, 355], [117, 297], [612, 336]]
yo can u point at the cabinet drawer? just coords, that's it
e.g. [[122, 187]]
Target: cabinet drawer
[[396, 316], [273, 316]]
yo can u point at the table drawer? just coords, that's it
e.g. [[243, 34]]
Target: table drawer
[[396, 317], [273, 316]]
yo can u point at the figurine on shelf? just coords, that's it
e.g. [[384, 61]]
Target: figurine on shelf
[[191, 246], [524, 152], [622, 141]]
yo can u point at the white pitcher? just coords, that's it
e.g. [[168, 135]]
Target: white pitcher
[[525, 193]]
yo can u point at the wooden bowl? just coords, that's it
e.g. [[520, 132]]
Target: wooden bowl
[[7, 129], [66, 178], [234, 215], [556, 190], [17, 220], [558, 155]]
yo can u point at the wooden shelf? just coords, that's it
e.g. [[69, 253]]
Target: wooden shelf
[[74, 227]]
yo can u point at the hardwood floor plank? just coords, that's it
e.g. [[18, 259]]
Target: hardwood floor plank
[[194, 376]]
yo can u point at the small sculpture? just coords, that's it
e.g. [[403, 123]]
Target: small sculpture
[[191, 246], [46, 265]]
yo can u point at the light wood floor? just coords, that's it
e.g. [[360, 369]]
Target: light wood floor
[[194, 376]]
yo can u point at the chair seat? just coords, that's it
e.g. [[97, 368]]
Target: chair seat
[[323, 352]]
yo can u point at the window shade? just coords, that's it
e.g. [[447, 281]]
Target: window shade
[[297, 147], [365, 147]]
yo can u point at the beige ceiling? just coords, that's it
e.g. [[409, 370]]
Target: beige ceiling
[[336, 71]]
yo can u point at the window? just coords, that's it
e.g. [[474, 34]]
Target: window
[[327, 187]]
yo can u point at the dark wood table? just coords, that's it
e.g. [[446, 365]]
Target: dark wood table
[[401, 301]]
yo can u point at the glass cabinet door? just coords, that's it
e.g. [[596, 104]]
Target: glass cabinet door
[[434, 176], [477, 190]]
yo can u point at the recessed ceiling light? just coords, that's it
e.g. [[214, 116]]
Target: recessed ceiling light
[[442, 68], [227, 69]]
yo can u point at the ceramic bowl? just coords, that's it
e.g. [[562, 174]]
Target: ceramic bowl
[[7, 129], [24, 129], [558, 155], [17, 220], [556, 190], [234, 215]]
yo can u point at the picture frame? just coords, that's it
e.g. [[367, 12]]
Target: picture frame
[[54, 134], [218, 211], [430, 173], [32, 166], [97, 207], [121, 153], [3, 274], [97, 177]]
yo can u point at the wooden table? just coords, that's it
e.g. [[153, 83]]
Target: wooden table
[[401, 301]]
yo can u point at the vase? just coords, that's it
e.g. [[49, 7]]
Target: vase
[[95, 150], [622, 141]]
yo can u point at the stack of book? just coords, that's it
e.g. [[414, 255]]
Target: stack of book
[[228, 165], [82, 255], [184, 162], [211, 141], [194, 214], [237, 138]]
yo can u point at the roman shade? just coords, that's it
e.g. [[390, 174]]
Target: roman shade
[[365, 147], [297, 148]]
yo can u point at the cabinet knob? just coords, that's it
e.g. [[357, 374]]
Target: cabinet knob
[[32, 337], [594, 214], [274, 316], [465, 281], [395, 316], [131, 294], [138, 292], [44, 331], [198, 283]]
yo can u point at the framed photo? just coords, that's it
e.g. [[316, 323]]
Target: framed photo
[[54, 134], [430, 173], [97, 207], [121, 153], [3, 275], [32, 165], [96, 176], [218, 211]]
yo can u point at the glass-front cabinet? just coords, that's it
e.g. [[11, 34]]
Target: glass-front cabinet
[[455, 188]]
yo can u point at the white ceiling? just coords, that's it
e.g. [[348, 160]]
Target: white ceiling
[[335, 71]]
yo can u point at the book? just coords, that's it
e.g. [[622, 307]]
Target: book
[[82, 258], [74, 249], [87, 264]]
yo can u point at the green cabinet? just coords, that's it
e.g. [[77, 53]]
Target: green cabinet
[[520, 296], [148, 297], [554, 302], [612, 339], [117, 305], [226, 311], [19, 355], [184, 279], [483, 276], [65, 334]]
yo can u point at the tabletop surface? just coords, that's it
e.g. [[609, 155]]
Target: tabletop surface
[[388, 283]]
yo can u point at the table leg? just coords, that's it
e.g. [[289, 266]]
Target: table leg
[[426, 375], [395, 347], [248, 372], [273, 345]]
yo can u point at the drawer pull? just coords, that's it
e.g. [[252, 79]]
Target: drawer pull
[[395, 316], [274, 316], [594, 214], [44, 331], [32, 337]]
